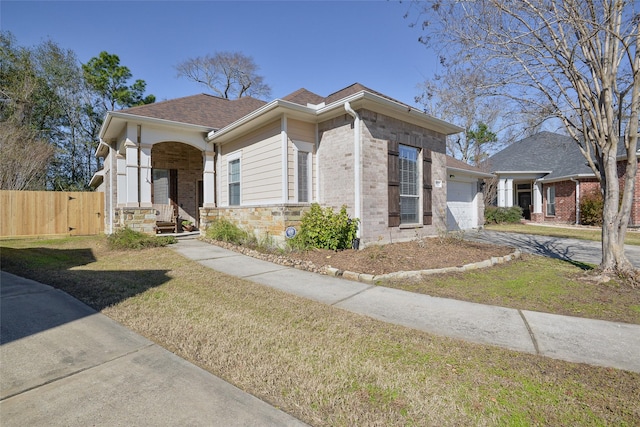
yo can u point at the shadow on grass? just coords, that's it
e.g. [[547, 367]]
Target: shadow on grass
[[551, 247], [28, 306]]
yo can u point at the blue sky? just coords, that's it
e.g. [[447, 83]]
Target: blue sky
[[321, 46]]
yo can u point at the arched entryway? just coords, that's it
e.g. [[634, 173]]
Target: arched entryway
[[176, 178]]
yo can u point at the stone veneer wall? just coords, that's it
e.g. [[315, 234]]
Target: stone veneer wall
[[263, 221], [138, 219]]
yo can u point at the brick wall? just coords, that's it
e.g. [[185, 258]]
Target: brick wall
[[335, 158], [335, 155], [565, 199], [565, 202], [377, 130]]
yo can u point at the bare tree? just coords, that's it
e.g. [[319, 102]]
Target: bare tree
[[577, 60], [463, 96], [23, 158], [227, 74]]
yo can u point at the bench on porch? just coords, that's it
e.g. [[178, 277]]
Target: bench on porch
[[166, 219]]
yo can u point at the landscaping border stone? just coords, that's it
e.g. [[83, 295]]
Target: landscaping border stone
[[361, 277]]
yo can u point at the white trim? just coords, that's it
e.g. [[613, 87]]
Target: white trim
[[317, 167], [305, 147], [236, 155], [284, 140], [546, 211]]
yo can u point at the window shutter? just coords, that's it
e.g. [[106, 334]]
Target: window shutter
[[394, 183], [427, 214]]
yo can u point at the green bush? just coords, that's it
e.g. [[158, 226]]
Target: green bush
[[325, 229], [591, 207], [225, 231], [496, 215], [126, 238]]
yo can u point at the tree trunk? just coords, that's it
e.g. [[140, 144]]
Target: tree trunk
[[614, 220]]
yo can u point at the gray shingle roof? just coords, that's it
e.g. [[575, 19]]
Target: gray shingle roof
[[542, 152]]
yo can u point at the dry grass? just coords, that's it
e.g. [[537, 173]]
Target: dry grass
[[326, 366]]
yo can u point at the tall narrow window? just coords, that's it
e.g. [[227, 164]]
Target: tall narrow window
[[234, 182], [304, 178], [161, 186], [551, 200], [409, 185]]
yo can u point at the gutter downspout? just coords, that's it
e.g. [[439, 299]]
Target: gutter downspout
[[356, 165], [577, 200]]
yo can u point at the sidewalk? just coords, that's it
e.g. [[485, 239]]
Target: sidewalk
[[64, 364], [573, 339]]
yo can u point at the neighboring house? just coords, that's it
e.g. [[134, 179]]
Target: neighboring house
[[465, 200], [547, 176], [261, 165]]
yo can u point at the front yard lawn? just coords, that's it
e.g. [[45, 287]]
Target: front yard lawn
[[324, 365]]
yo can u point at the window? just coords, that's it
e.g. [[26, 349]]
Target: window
[[551, 200], [161, 186], [409, 185], [234, 182], [304, 180]]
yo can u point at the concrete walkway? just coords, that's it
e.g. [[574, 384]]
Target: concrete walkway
[[63, 364], [573, 339]]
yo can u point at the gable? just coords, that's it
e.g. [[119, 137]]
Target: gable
[[545, 152]]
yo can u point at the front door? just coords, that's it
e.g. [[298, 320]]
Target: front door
[[524, 201]]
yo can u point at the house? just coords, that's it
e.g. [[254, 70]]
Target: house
[[465, 199], [547, 175], [261, 165]]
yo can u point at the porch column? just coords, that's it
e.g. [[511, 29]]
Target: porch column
[[145, 176], [121, 180], [505, 193], [537, 197], [132, 173], [208, 180]]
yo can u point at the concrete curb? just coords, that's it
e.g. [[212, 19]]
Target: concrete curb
[[419, 274]]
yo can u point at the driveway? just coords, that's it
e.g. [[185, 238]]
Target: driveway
[[573, 250]]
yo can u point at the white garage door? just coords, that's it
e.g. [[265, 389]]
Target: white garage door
[[461, 212]]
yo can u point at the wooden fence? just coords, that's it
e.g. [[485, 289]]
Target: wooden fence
[[44, 213]]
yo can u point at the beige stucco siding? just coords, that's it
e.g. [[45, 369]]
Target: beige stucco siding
[[260, 166]]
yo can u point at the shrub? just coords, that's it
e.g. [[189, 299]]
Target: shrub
[[499, 215], [225, 231], [325, 229], [126, 238], [591, 207]]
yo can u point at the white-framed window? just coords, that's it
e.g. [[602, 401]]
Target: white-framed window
[[160, 186], [409, 185], [303, 170], [233, 179], [551, 200]]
